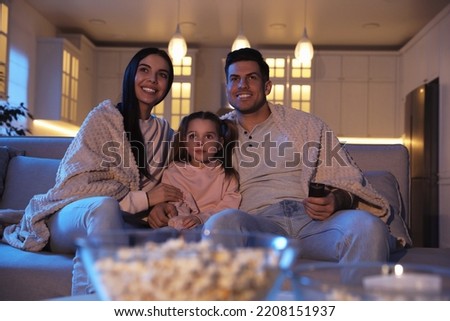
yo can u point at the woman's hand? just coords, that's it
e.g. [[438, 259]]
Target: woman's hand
[[320, 208], [163, 193], [160, 214]]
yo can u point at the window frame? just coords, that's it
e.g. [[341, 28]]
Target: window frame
[[4, 41], [282, 84]]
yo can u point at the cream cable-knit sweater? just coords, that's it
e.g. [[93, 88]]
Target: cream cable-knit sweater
[[310, 133], [84, 171]]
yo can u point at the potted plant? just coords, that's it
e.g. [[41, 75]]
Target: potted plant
[[14, 119]]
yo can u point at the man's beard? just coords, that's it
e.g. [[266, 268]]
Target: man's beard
[[252, 109]]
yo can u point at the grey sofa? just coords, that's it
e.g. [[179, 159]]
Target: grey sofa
[[30, 168]]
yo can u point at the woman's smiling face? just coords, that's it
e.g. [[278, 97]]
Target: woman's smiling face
[[151, 80]]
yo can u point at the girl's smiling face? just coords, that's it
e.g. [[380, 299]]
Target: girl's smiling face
[[202, 141]]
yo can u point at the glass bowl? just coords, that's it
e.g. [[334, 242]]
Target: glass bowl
[[185, 265], [369, 282]]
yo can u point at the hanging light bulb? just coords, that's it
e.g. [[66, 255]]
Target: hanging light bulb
[[177, 45], [241, 41], [304, 50]]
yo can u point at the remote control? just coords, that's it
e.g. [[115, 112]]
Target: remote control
[[316, 189]]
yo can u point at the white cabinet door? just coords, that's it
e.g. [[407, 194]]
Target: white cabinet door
[[420, 63], [381, 110], [354, 109], [355, 67], [108, 64], [111, 65], [356, 93], [382, 68], [327, 67], [327, 103], [109, 88]]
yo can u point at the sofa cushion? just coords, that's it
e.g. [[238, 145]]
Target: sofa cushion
[[34, 173], [33, 275], [386, 184], [6, 153]]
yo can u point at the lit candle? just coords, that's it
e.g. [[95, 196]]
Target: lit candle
[[403, 282]]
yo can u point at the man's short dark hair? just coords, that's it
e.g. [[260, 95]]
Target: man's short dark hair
[[248, 54]]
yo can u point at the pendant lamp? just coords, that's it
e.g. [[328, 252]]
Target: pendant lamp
[[304, 50], [177, 45], [241, 41]]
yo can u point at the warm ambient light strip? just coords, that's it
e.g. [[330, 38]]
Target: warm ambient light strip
[[62, 129], [368, 140]]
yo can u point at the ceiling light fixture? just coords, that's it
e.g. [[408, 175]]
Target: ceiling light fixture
[[177, 45], [97, 22], [304, 50], [371, 25], [241, 41]]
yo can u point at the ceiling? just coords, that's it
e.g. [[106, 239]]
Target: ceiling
[[331, 24]]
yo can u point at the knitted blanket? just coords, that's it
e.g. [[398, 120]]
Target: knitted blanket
[[87, 169], [324, 159]]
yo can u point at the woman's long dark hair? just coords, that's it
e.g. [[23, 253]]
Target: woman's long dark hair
[[129, 106], [225, 128]]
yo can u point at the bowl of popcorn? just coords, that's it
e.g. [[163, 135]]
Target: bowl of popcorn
[[170, 265]]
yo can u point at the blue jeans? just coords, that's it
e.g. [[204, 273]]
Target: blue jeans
[[79, 219], [347, 236]]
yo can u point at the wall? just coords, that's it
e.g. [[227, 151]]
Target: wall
[[424, 58], [26, 25]]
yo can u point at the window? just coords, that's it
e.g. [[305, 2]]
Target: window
[[179, 101], [3, 48], [291, 80], [69, 93]]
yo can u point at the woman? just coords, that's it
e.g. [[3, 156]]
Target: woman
[[111, 169]]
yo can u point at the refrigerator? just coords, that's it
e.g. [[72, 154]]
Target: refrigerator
[[421, 137]]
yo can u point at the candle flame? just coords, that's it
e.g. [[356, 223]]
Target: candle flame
[[398, 270]]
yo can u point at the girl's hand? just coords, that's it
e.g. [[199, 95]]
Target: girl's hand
[[184, 222], [163, 193], [320, 208], [160, 214]]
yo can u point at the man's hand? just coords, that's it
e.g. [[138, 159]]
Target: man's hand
[[164, 193], [320, 208], [160, 214]]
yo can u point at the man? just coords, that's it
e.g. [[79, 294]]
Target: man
[[281, 150]]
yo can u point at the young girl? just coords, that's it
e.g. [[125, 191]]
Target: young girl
[[201, 168]]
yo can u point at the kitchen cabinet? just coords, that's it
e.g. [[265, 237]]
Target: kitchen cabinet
[[87, 75], [111, 65], [57, 80], [326, 100], [354, 109], [356, 94], [420, 63], [327, 103], [355, 67]]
